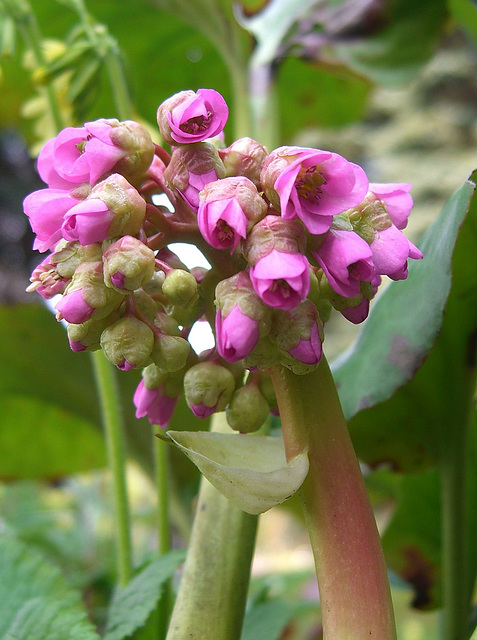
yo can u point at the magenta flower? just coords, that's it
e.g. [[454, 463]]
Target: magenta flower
[[308, 350], [346, 260], [46, 209], [236, 334], [74, 308], [47, 171], [46, 280], [396, 199], [228, 209], [192, 117], [391, 250], [85, 154], [312, 184], [282, 280], [155, 403], [87, 222]]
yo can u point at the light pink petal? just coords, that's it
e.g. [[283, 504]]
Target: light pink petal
[[308, 351], [237, 335], [101, 158], [73, 308], [69, 162], [397, 200]]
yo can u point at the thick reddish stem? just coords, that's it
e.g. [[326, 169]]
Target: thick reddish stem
[[352, 578]]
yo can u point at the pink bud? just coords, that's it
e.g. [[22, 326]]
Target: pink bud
[[282, 280], [396, 199], [74, 308], [155, 403], [236, 334]]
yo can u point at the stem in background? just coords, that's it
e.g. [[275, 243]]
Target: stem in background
[[163, 527], [26, 22], [113, 429], [213, 589], [352, 577]]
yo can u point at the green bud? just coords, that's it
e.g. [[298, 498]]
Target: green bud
[[267, 389], [145, 304], [89, 333], [180, 287], [128, 343], [186, 316], [208, 388], [89, 277], [170, 352], [248, 409], [69, 255], [128, 264]]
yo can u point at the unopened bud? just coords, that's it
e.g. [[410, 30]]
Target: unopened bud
[[208, 388], [244, 157], [128, 343], [180, 287], [134, 138], [128, 264], [86, 336], [248, 409], [170, 352]]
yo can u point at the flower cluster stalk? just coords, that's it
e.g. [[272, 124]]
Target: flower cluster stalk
[[213, 589], [352, 579]]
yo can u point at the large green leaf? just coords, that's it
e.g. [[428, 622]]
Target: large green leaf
[[404, 430], [35, 601], [132, 604]]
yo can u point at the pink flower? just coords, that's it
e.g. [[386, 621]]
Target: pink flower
[[236, 334], [201, 410], [391, 249], [228, 209], [282, 280], [87, 222], [46, 280], [74, 308], [46, 209], [346, 260], [192, 117], [47, 171], [312, 184], [155, 403], [396, 199], [85, 154], [308, 350]]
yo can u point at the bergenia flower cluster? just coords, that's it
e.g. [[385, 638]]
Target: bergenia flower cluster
[[290, 234]]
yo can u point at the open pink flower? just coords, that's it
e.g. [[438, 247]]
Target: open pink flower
[[46, 280], [83, 154], [155, 404], [282, 280], [46, 209], [227, 211], [312, 184], [396, 199], [192, 117], [346, 260]]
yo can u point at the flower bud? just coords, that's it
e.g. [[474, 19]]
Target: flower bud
[[46, 280], [180, 288], [87, 295], [128, 343], [69, 255], [113, 208], [155, 403], [228, 210], [241, 317], [248, 409], [191, 168], [299, 333], [128, 264], [208, 388], [86, 336], [134, 140], [186, 316], [189, 117], [170, 352], [244, 157]]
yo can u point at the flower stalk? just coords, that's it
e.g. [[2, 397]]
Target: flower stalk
[[352, 578], [213, 589]]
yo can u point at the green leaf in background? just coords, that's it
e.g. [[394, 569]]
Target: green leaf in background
[[408, 37], [403, 431], [35, 601], [132, 604], [266, 620]]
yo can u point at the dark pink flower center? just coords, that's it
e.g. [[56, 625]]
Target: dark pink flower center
[[309, 182], [197, 124], [282, 287], [225, 234]]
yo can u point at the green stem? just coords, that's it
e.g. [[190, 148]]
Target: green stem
[[213, 589], [352, 578], [26, 22], [163, 528], [113, 429]]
